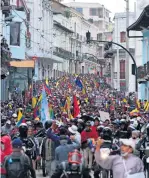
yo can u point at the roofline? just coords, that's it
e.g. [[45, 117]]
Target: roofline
[[139, 19], [59, 3], [89, 3]]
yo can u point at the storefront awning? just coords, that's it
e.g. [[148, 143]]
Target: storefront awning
[[25, 63]]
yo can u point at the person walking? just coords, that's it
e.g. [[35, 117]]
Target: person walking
[[17, 165]]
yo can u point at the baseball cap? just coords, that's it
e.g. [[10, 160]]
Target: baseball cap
[[17, 143]]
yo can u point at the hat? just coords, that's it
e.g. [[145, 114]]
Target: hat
[[17, 143], [80, 121], [128, 142], [73, 129], [14, 115], [8, 122], [37, 119]]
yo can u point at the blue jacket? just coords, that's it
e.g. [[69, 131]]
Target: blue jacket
[[62, 151]]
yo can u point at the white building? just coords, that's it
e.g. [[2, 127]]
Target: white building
[[40, 41], [139, 6], [70, 29], [119, 63], [56, 38], [96, 14]]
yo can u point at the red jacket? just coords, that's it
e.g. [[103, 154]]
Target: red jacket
[[86, 135], [95, 133], [6, 140]]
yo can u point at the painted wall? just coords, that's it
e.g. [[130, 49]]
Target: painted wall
[[18, 52], [120, 26], [145, 59]]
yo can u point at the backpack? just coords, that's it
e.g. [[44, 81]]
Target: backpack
[[15, 167]]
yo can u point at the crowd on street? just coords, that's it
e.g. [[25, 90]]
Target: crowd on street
[[75, 125]]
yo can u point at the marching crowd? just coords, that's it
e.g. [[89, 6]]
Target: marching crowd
[[78, 120]]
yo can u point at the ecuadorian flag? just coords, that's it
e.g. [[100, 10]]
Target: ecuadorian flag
[[47, 88], [20, 119]]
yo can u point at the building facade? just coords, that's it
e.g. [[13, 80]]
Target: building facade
[[70, 29], [142, 24], [97, 15], [13, 31], [40, 38], [121, 66]]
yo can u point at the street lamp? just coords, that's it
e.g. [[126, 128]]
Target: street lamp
[[88, 40]]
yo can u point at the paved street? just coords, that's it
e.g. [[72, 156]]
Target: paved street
[[39, 174]]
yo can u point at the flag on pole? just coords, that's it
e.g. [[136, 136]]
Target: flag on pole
[[76, 109], [47, 82], [51, 112], [138, 104], [34, 101], [147, 107], [36, 111], [47, 88], [44, 108], [68, 108], [20, 119], [79, 83]]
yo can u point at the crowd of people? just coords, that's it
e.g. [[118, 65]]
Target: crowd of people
[[88, 124]]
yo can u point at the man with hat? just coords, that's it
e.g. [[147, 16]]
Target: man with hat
[[7, 128], [125, 164], [74, 132], [18, 164]]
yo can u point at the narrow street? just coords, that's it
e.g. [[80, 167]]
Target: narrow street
[[39, 174]]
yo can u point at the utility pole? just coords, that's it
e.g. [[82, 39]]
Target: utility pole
[[117, 58], [112, 42], [127, 47]]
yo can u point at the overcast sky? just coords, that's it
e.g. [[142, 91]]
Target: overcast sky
[[113, 5]]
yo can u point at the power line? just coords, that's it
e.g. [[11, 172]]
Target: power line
[[33, 27]]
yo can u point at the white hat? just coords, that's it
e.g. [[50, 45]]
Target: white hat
[[80, 120], [128, 142], [8, 122], [73, 129], [58, 123], [14, 115]]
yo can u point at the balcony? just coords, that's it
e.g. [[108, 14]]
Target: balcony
[[146, 71], [141, 74], [5, 52], [5, 7], [63, 53], [79, 58]]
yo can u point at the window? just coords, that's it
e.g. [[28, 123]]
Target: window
[[122, 69], [107, 14], [93, 11], [123, 37], [79, 9], [15, 34], [115, 75], [100, 11]]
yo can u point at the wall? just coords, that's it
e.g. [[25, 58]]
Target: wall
[[41, 30], [145, 59], [18, 52], [120, 26]]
